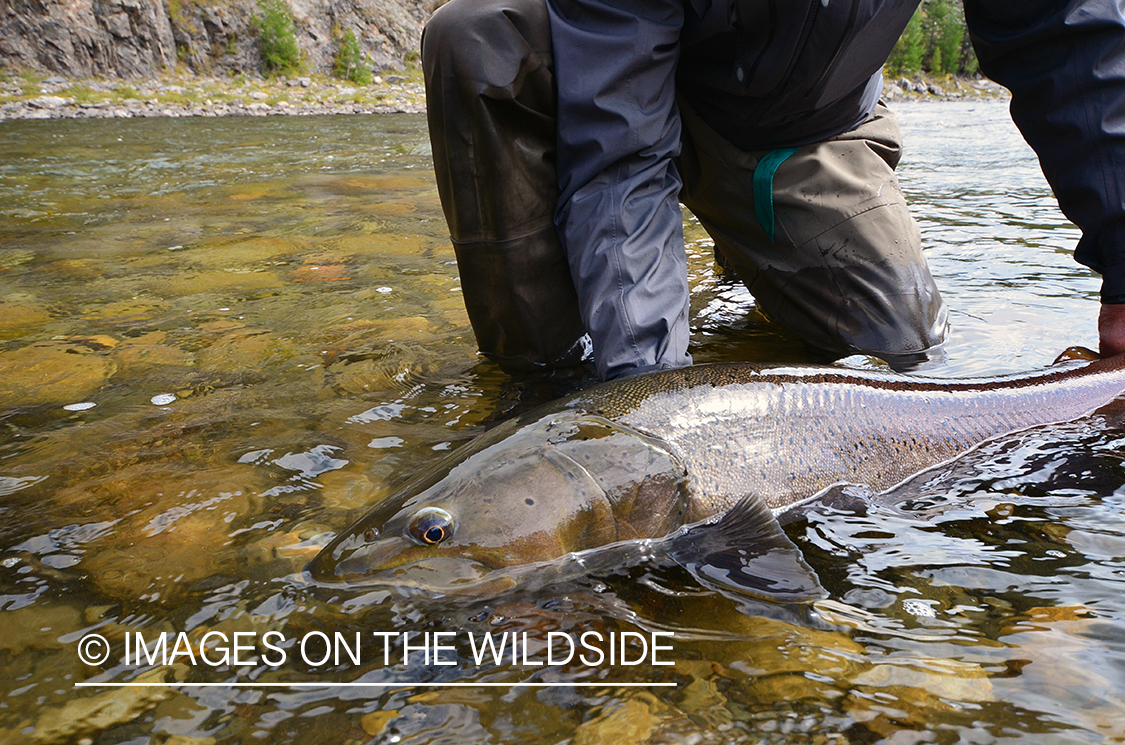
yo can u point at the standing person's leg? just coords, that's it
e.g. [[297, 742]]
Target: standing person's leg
[[825, 242], [491, 108]]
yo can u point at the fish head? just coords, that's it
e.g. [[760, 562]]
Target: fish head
[[525, 492]]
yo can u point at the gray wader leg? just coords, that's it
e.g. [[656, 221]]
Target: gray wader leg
[[844, 268], [491, 107]]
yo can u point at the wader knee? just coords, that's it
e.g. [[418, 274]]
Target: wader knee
[[834, 254], [490, 97]]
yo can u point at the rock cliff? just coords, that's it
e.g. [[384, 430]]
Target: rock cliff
[[143, 38]]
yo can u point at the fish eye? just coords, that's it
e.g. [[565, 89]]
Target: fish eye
[[370, 534], [431, 526]]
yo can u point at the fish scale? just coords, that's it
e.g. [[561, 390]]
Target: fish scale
[[787, 433], [700, 459]]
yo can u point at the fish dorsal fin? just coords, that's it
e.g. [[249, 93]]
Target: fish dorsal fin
[[747, 552]]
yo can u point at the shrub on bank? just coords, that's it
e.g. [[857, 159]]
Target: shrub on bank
[[277, 39], [351, 63]]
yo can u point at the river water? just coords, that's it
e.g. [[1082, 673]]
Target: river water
[[222, 339]]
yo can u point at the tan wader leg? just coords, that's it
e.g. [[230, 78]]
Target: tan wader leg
[[845, 269], [491, 106]]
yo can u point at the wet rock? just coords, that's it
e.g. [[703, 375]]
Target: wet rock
[[246, 350], [92, 714], [235, 283], [51, 372], [374, 246], [95, 342], [19, 318], [320, 273], [626, 721], [945, 679], [375, 722], [162, 550], [379, 367], [281, 547], [134, 309], [222, 326], [416, 329], [187, 740], [36, 627], [134, 356]]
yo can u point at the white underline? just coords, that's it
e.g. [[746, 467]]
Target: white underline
[[240, 684]]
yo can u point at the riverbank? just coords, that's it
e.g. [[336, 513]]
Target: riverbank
[[954, 88], [26, 97], [31, 97]]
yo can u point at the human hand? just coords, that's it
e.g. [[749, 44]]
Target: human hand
[[1111, 330]]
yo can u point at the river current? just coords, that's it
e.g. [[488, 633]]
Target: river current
[[221, 340]]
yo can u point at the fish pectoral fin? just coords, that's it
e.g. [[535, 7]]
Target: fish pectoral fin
[[747, 552]]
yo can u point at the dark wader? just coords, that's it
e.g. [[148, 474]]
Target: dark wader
[[843, 268], [491, 104]]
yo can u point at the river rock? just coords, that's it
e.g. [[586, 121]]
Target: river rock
[[51, 372], [134, 357], [37, 627], [19, 318], [89, 715], [631, 720], [49, 102], [143, 38], [232, 284], [246, 350]]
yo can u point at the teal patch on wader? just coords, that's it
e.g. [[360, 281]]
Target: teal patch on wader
[[763, 187]]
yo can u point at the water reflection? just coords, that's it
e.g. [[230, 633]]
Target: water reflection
[[266, 316]]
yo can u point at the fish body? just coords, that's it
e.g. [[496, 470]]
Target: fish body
[[704, 456]]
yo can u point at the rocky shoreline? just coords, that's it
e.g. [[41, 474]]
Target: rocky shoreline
[[949, 88], [62, 98]]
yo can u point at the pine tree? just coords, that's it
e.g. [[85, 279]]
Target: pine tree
[[948, 33], [906, 58], [277, 38]]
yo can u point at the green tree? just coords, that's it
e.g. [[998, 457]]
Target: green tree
[[351, 63], [935, 40], [936, 63], [909, 51], [947, 33], [277, 39]]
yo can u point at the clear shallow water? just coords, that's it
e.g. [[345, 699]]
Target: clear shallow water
[[266, 315]]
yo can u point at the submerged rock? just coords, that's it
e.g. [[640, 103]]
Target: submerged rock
[[93, 714], [19, 318], [52, 372]]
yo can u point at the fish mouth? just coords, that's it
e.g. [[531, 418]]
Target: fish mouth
[[446, 575], [439, 574]]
